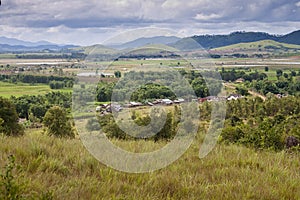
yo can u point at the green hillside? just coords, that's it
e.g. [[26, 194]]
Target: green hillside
[[263, 45], [96, 49], [158, 47]]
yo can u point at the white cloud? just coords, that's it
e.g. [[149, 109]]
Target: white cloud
[[204, 17], [93, 21]]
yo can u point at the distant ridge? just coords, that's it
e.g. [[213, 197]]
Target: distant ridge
[[16, 42], [147, 41], [215, 41], [20, 48]]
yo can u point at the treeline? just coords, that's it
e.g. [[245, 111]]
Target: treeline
[[33, 107], [282, 85], [233, 75], [145, 56], [158, 85], [55, 82], [73, 55], [170, 84], [52, 110]]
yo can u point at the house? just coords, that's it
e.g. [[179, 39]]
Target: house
[[166, 101], [98, 108], [134, 104], [150, 104], [233, 97], [156, 102], [240, 80], [116, 107], [208, 98], [177, 101], [107, 75], [211, 98], [113, 107]]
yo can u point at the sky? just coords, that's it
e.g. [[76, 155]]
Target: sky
[[86, 22]]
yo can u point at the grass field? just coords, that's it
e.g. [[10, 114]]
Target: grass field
[[65, 170], [9, 89]]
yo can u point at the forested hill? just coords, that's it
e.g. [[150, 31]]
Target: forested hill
[[214, 41]]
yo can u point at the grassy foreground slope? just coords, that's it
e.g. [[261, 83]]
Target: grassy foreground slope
[[65, 169]]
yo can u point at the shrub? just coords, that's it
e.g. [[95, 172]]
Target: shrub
[[9, 119], [58, 123], [9, 187]]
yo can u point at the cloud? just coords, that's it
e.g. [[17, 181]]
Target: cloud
[[204, 17], [74, 17]]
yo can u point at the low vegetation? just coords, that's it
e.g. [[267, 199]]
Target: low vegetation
[[63, 169]]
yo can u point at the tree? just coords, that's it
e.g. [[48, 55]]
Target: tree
[[266, 69], [285, 75], [9, 119], [38, 111], [117, 74], [58, 123], [293, 73], [242, 91], [279, 72]]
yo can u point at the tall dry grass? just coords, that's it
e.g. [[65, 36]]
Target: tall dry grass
[[64, 169]]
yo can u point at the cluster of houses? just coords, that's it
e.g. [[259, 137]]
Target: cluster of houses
[[108, 108], [216, 98]]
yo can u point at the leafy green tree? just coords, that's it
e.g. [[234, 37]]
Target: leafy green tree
[[279, 72], [58, 123], [285, 75], [117, 74], [9, 119], [38, 111], [167, 132], [266, 69], [242, 91], [293, 73]]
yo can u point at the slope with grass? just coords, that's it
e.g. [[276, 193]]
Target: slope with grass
[[64, 169], [96, 49], [263, 45]]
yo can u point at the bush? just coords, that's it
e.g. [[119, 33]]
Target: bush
[[9, 187], [232, 134], [58, 123]]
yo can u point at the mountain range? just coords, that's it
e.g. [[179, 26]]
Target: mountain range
[[16, 42], [183, 44]]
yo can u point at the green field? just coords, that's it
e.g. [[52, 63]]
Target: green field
[[9, 89], [7, 56], [63, 169]]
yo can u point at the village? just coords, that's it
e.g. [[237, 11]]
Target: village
[[115, 107]]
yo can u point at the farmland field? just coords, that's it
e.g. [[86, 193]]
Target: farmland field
[[10, 89]]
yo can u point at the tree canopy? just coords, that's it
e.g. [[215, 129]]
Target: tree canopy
[[9, 119]]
